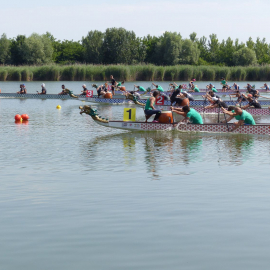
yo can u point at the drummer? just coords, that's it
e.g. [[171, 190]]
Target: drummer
[[149, 108], [190, 114]]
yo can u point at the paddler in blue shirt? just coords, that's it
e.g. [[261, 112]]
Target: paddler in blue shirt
[[149, 108]]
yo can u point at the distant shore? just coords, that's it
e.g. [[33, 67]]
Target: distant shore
[[133, 73]]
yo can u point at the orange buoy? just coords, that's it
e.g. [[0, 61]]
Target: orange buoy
[[166, 117], [108, 95], [17, 117], [25, 117], [185, 102]]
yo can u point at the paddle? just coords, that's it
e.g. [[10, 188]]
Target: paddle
[[265, 97], [225, 119]]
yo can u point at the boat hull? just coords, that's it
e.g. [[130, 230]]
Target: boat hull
[[263, 129]]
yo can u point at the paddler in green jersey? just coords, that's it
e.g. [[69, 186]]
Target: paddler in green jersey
[[243, 117], [158, 87], [195, 88], [149, 108], [190, 114], [139, 88], [120, 83], [212, 87]]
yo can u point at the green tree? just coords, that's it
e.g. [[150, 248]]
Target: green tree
[[16, 51], [204, 53], [4, 49], [68, 51], [92, 44], [37, 49], [261, 49], [226, 51], [121, 46], [189, 53], [150, 44], [244, 57], [213, 48], [168, 49]]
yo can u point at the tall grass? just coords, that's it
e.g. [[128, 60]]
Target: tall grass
[[133, 73]]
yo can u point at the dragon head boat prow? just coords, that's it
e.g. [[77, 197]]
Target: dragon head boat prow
[[87, 109], [70, 93], [134, 99]]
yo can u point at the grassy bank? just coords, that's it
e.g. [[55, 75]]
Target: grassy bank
[[133, 73]]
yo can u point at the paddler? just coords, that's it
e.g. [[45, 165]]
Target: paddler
[[211, 87], [175, 93], [160, 90], [265, 86], [240, 97], [190, 114], [149, 108], [195, 88], [243, 117], [188, 95], [252, 103], [84, 91], [236, 87], [139, 88], [43, 90], [191, 83], [22, 89], [63, 90], [251, 90], [102, 90]]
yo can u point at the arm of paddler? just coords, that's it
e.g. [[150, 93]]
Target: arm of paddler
[[227, 120], [238, 124], [227, 112]]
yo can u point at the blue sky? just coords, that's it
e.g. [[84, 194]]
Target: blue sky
[[72, 19]]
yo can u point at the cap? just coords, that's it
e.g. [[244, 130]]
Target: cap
[[83, 85], [43, 85], [194, 80]]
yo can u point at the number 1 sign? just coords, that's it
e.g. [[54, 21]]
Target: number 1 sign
[[129, 114]]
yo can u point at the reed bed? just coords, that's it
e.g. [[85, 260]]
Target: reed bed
[[133, 73]]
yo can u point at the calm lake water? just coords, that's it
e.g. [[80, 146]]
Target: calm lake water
[[76, 195]]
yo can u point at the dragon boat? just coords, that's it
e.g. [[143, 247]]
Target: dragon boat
[[34, 96], [260, 129]]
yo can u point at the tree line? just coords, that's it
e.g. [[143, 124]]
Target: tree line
[[120, 46]]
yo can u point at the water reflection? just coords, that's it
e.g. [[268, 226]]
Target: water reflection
[[158, 152]]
